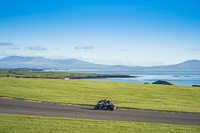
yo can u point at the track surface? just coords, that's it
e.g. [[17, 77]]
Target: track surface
[[16, 106]]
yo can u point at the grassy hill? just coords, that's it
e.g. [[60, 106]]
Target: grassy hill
[[127, 95]]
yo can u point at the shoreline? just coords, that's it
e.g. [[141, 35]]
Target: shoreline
[[79, 77]]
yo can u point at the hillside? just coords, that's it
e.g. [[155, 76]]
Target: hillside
[[191, 64]]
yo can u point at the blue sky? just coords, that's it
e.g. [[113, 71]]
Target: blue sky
[[112, 32]]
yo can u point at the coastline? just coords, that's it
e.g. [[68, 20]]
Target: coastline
[[78, 77], [59, 75], [183, 78]]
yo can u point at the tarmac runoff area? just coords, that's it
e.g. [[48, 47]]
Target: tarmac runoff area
[[24, 107]]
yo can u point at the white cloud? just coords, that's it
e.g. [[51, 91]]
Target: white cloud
[[195, 49], [84, 47], [127, 62], [152, 63], [39, 47], [16, 48], [6, 44], [123, 50], [9, 45]]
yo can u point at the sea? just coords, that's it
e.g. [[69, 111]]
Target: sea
[[183, 78]]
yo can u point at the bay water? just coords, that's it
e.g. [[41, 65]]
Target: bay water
[[184, 78]]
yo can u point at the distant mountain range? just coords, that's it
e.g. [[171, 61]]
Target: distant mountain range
[[44, 63]]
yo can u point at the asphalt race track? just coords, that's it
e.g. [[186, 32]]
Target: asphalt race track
[[17, 106]]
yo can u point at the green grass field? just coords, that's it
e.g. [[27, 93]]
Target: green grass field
[[26, 124], [127, 95]]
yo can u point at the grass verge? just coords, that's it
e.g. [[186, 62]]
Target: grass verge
[[128, 95], [24, 124]]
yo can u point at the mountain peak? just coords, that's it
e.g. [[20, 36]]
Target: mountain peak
[[190, 64], [16, 58]]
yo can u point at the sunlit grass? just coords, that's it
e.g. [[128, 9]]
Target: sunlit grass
[[129, 95], [25, 124]]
